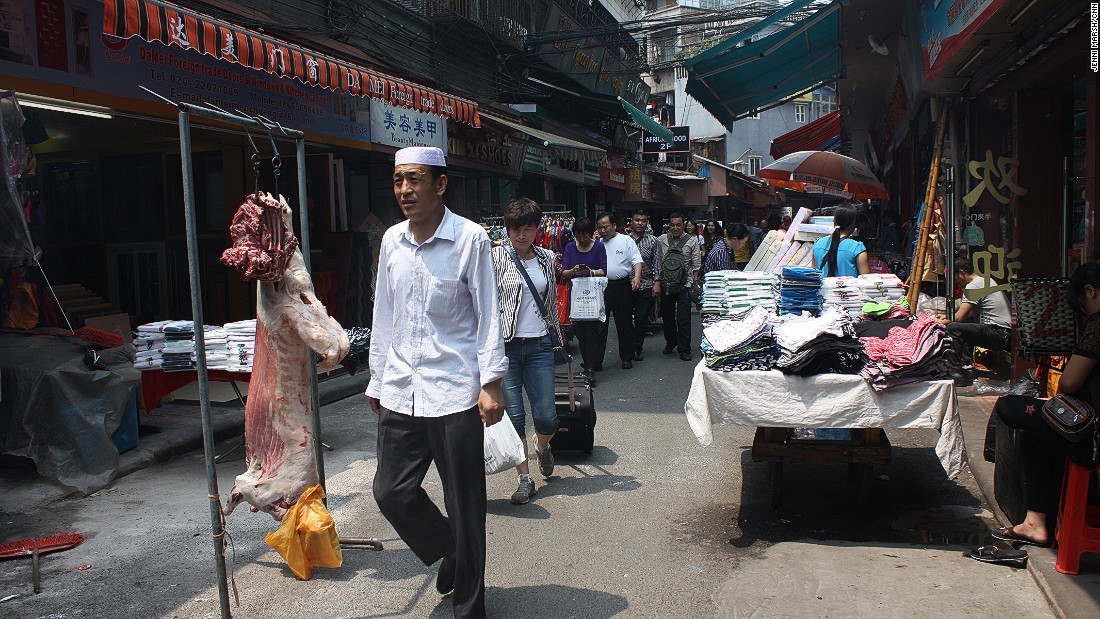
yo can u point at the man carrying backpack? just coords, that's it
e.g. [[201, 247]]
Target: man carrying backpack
[[678, 255]]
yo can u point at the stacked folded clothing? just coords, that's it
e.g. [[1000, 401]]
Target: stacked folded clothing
[[179, 346], [150, 348], [733, 292], [823, 345], [241, 345], [843, 292], [740, 342], [216, 341], [881, 287], [907, 354], [800, 291], [884, 310]]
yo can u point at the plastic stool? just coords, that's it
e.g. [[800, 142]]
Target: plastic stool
[[1075, 535]]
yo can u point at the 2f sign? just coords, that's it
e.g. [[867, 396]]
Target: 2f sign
[[681, 142]]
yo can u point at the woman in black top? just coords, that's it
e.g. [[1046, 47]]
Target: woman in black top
[[1043, 451]]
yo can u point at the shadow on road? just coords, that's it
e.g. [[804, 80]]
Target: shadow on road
[[544, 602], [911, 501]]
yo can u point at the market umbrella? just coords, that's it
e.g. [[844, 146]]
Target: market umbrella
[[818, 171]]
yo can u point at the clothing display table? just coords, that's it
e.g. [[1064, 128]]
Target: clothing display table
[[771, 399], [155, 384]]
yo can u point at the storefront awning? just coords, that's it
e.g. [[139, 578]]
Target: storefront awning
[[821, 134], [156, 20], [565, 147], [733, 81], [647, 123]]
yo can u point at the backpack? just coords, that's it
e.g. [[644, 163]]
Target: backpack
[[673, 266]]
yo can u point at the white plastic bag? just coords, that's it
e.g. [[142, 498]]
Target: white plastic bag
[[586, 299], [503, 447]]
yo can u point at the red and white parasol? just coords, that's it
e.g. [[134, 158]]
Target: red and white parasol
[[818, 171]]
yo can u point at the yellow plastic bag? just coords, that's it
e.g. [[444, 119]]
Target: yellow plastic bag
[[307, 536]]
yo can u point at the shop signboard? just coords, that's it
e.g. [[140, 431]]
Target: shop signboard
[[587, 62], [93, 62], [946, 25], [566, 169], [614, 177], [392, 125], [484, 149], [681, 141]]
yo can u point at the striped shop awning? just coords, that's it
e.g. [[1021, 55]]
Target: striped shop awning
[[155, 20]]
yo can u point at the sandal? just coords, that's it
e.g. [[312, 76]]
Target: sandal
[[1007, 534], [994, 554]]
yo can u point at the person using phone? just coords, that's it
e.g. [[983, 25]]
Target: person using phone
[[587, 257]]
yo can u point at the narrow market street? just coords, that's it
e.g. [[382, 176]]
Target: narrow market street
[[650, 525]]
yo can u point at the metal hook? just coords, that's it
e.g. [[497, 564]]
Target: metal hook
[[255, 163], [276, 161]]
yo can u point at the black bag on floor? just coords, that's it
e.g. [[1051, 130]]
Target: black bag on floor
[[576, 427]]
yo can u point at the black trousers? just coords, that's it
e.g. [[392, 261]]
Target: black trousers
[[592, 341], [407, 445], [1042, 450], [642, 303], [973, 334], [676, 314], [619, 298]]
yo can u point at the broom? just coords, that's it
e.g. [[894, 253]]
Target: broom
[[37, 547]]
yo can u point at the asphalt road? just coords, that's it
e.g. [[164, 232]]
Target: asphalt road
[[649, 525]]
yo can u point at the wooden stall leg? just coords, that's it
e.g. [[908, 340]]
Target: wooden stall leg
[[775, 481]]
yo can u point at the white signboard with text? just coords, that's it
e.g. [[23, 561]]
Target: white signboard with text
[[401, 126]]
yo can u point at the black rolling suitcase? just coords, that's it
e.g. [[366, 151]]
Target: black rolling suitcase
[[576, 413]]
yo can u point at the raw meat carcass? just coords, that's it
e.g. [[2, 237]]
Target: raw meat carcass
[[290, 323]]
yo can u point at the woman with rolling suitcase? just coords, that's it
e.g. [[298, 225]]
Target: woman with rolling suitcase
[[528, 343]]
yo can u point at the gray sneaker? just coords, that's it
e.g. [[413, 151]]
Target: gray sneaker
[[546, 460], [525, 491]]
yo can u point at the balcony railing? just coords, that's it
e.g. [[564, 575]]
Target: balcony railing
[[505, 20]]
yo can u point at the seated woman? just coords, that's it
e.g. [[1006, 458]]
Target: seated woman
[[838, 255], [1042, 450]]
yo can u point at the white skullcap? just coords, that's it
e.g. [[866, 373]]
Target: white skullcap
[[420, 155]]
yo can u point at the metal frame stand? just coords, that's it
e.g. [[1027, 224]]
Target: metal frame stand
[[260, 124]]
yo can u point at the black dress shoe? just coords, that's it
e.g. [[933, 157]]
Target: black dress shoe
[[627, 365], [685, 356], [638, 356], [668, 350], [445, 580]]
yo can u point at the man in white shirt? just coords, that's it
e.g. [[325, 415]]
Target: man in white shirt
[[624, 276], [436, 362], [992, 326]]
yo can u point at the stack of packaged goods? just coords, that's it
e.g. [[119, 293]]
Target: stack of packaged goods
[[843, 292], [907, 354], [241, 345], [179, 346], [822, 345], [728, 293], [151, 341], [881, 287], [216, 340], [800, 291], [740, 342]]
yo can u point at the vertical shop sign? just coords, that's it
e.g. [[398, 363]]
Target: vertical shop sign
[[993, 264], [401, 126], [1004, 170]]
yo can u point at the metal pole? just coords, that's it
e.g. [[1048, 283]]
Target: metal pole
[[315, 398], [200, 356]]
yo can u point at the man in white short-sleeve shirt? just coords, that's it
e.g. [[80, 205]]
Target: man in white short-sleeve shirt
[[624, 276]]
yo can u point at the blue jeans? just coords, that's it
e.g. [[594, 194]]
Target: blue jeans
[[531, 368]]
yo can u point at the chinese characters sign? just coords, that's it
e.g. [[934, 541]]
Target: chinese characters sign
[[997, 177], [401, 127], [996, 268]]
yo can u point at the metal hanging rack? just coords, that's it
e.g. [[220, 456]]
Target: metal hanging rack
[[271, 128]]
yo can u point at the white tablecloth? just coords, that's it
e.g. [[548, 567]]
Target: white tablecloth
[[774, 399]]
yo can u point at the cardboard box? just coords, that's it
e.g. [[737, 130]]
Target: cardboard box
[[113, 323]]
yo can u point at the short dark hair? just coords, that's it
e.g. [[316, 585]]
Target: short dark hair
[[1086, 274], [965, 265], [606, 214], [640, 211], [676, 214], [522, 212], [584, 225], [738, 231]]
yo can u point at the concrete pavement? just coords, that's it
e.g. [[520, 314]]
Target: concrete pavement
[[650, 525]]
